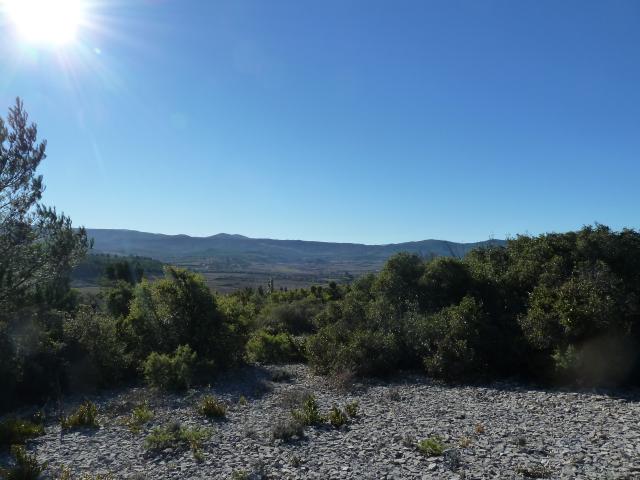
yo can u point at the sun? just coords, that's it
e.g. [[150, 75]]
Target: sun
[[46, 22]]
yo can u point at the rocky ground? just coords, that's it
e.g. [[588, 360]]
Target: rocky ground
[[499, 431]]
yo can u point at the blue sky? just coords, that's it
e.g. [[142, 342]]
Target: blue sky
[[367, 121]]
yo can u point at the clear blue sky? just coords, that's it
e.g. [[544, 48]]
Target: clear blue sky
[[367, 121]]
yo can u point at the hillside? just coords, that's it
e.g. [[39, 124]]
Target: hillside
[[233, 261]]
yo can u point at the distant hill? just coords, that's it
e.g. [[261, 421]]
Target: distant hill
[[236, 260], [181, 247]]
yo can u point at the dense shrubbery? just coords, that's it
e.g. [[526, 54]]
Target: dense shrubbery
[[558, 307], [170, 372], [264, 347]]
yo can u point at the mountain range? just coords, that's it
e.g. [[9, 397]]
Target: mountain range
[[296, 262]]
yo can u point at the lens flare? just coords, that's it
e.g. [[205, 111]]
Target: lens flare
[[49, 22]]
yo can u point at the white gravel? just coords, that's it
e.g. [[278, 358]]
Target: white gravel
[[499, 431]]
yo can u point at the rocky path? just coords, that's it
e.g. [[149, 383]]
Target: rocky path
[[494, 432]]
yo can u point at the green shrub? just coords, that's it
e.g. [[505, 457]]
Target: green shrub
[[337, 417], [26, 467], [365, 352], [398, 281], [445, 282], [140, 416], [431, 447], [280, 376], [96, 352], [86, 415], [287, 430], [174, 435], [454, 333], [15, 431], [352, 409], [181, 310], [240, 475], [264, 347], [294, 318], [309, 413], [118, 298], [170, 372], [211, 407]]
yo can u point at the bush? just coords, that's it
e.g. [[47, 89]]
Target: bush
[[444, 283], [140, 416], [365, 352], [167, 372], [180, 310], [86, 415], [309, 413], [295, 318], [287, 430], [337, 417], [174, 435], [211, 407], [454, 334], [26, 467], [17, 431], [264, 347], [431, 447], [96, 352], [118, 297], [280, 375], [352, 409]]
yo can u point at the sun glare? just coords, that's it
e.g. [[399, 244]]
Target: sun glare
[[48, 22]]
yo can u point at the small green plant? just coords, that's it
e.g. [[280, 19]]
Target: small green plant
[[242, 401], [337, 417], [170, 372], [15, 431], [64, 473], [26, 467], [309, 414], [85, 416], [280, 375], [140, 416], [211, 407], [240, 475], [174, 435], [431, 447], [352, 409], [286, 430]]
